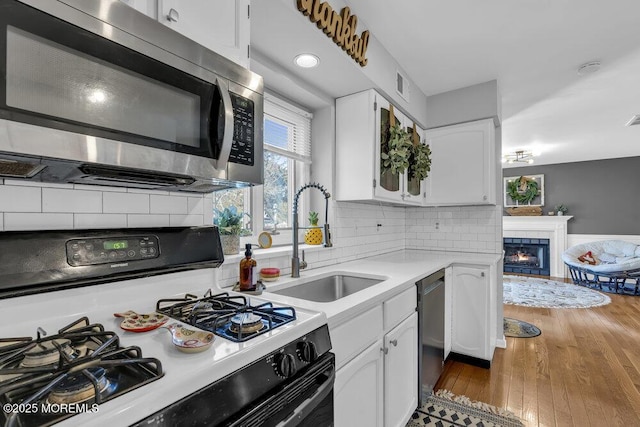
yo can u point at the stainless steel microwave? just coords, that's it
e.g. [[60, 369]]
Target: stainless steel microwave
[[94, 92]]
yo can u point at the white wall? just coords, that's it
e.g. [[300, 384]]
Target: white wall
[[26, 205]]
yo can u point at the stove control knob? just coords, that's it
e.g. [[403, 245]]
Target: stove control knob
[[285, 365], [307, 351]]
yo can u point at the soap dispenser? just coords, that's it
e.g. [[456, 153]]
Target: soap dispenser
[[248, 271]]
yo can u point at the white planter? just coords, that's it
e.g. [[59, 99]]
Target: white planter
[[230, 244]]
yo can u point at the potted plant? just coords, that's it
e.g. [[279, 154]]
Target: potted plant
[[229, 222], [561, 209]]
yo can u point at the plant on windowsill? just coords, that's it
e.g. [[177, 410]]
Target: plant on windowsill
[[229, 222]]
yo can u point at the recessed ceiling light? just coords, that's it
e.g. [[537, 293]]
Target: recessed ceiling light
[[589, 68], [306, 60]]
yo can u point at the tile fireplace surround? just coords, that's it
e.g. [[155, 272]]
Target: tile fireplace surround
[[553, 228]]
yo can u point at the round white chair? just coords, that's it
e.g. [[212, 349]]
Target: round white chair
[[609, 265]]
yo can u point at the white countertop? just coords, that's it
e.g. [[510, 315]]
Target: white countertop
[[400, 270], [186, 373]]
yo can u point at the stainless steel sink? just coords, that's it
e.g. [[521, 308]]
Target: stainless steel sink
[[330, 288]]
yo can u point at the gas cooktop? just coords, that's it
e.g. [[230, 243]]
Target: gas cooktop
[[231, 317], [46, 379]]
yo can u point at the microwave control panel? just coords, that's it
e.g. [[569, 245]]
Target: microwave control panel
[[92, 251], [242, 150]]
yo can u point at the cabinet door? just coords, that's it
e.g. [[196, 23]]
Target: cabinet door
[[470, 313], [388, 185], [463, 164], [401, 373], [448, 278], [148, 7], [222, 26], [357, 393]]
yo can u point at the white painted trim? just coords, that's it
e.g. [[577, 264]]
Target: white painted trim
[[578, 239], [501, 342], [554, 226]]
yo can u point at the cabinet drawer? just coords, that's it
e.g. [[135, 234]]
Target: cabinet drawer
[[353, 336], [400, 307]]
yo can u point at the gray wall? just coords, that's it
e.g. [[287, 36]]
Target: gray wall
[[481, 101], [602, 195]]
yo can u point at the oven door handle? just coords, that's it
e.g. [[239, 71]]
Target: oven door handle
[[227, 138], [306, 407]]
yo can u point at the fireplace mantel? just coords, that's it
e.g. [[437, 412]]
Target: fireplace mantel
[[553, 228]]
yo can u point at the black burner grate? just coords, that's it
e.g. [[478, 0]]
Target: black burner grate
[[219, 314], [94, 350]]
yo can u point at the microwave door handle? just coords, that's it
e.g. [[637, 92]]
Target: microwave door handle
[[227, 139]]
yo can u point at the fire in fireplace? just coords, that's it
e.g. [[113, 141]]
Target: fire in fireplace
[[527, 256]]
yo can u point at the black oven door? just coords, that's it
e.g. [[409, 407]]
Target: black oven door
[[305, 402], [58, 75]]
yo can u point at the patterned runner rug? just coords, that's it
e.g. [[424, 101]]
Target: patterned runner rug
[[537, 292], [444, 409]]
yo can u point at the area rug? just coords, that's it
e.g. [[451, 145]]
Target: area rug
[[537, 292], [519, 329], [444, 409]]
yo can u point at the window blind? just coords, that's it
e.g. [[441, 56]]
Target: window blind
[[287, 129]]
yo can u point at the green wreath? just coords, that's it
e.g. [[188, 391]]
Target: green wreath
[[526, 196]]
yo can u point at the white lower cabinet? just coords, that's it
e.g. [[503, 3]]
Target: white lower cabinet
[[357, 393], [470, 312], [401, 372], [377, 373]]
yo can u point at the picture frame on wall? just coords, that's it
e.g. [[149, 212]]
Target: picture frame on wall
[[525, 190]]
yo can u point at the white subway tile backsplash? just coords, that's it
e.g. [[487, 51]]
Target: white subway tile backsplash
[[168, 204], [37, 221], [208, 209], [126, 203], [185, 220], [20, 199], [26, 183], [84, 221], [145, 191], [69, 200], [137, 221], [180, 194], [196, 205]]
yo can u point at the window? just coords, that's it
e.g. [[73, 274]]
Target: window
[[287, 159], [238, 197], [287, 156]]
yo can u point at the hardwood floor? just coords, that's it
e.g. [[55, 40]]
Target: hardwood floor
[[584, 370]]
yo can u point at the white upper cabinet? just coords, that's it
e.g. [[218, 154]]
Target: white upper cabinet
[[463, 164], [221, 26], [363, 121]]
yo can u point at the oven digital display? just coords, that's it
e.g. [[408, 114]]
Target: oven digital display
[[115, 244]]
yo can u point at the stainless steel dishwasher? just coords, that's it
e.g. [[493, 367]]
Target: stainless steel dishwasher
[[430, 332]]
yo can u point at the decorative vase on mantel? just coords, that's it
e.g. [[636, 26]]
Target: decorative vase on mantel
[[230, 244]]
